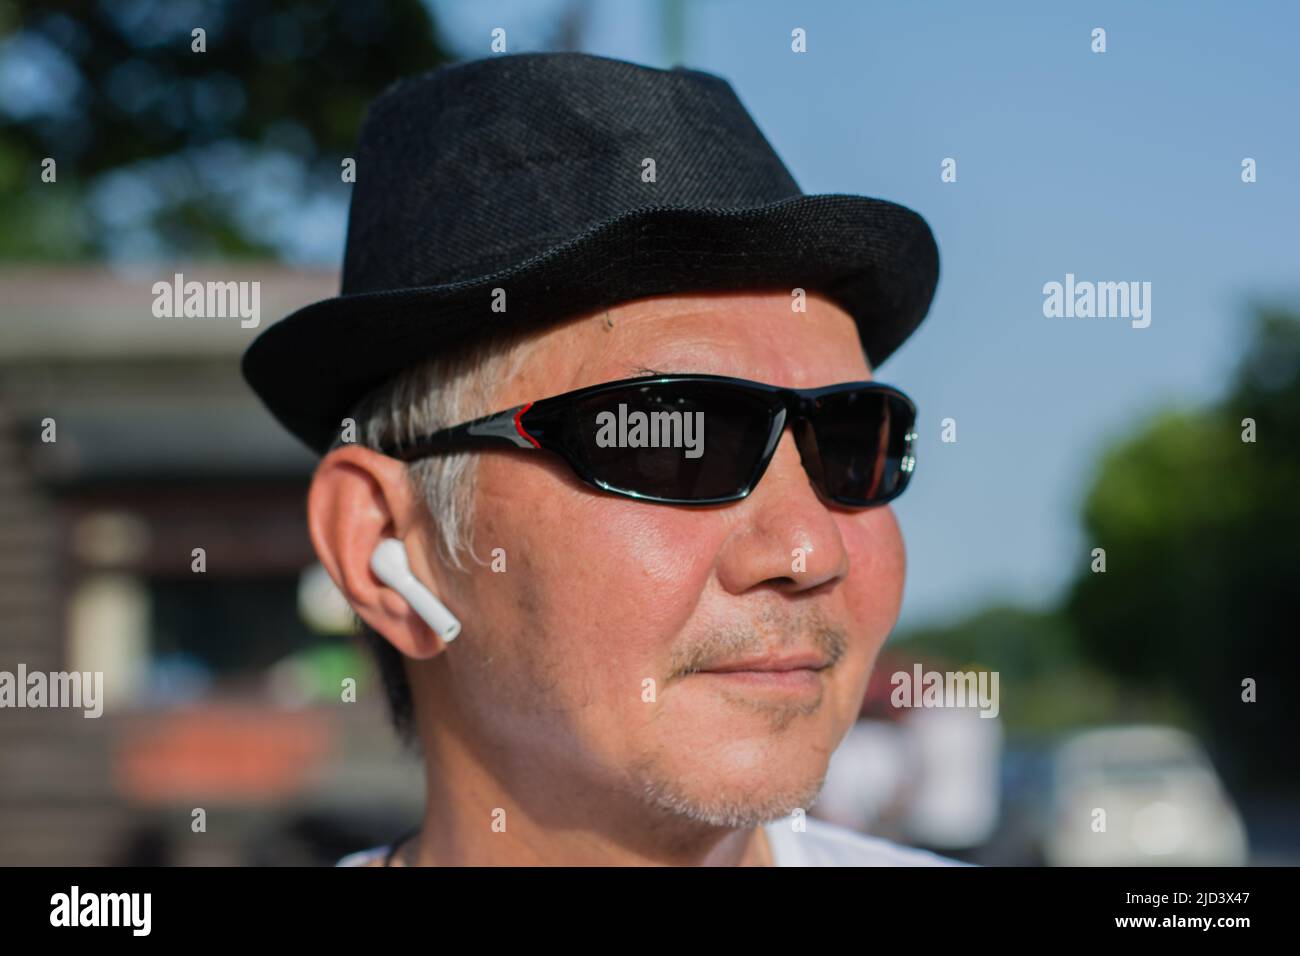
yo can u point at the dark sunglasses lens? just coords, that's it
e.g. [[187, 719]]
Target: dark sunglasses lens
[[672, 441], [864, 444]]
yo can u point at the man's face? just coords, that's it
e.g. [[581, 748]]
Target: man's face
[[589, 655]]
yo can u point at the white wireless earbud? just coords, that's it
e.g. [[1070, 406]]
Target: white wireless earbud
[[390, 566]]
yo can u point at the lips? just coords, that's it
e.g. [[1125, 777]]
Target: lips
[[770, 663]]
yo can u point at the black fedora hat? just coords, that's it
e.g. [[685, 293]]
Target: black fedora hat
[[527, 173]]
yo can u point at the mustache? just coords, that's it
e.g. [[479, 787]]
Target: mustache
[[732, 641]]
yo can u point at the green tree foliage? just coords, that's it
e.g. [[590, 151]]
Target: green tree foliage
[[1202, 531], [181, 153]]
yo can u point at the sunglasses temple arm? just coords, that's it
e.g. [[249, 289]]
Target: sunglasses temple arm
[[502, 429]]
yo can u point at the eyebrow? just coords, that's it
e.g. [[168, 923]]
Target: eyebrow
[[642, 370]]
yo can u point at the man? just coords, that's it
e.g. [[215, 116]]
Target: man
[[596, 391]]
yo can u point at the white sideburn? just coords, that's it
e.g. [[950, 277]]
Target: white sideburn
[[390, 566]]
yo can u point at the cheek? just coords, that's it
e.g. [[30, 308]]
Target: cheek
[[877, 565], [608, 582], [644, 569]]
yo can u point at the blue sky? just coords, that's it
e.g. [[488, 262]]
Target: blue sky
[[1120, 166]]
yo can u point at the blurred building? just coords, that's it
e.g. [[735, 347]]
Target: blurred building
[[221, 687]]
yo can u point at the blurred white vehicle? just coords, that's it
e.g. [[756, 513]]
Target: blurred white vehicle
[[1163, 802]]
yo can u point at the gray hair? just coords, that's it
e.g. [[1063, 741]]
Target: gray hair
[[444, 390]]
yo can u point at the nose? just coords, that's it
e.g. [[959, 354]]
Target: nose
[[784, 534]]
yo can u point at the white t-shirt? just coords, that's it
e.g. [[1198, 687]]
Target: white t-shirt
[[821, 844]]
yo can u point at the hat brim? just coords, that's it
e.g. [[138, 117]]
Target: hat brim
[[875, 258]]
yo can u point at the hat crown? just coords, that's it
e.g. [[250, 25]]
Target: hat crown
[[462, 170]]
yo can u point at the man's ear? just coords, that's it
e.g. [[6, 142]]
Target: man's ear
[[357, 498]]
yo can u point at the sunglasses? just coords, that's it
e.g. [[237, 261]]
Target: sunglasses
[[705, 439]]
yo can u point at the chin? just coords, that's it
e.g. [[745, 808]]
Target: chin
[[744, 781], [747, 798]]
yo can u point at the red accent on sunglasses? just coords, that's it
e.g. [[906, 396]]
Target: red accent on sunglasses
[[520, 428]]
